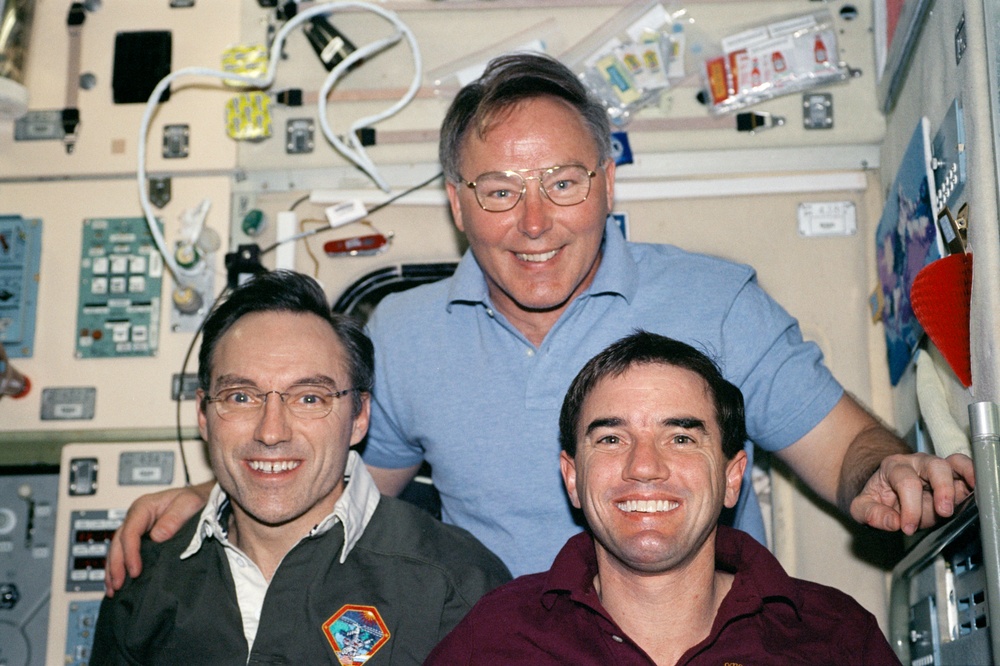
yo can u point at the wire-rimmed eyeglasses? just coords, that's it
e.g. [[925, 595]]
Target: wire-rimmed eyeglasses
[[306, 401], [564, 185]]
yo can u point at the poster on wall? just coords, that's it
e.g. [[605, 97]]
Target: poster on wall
[[906, 240]]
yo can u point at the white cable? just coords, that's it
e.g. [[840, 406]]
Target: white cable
[[359, 157], [185, 278], [355, 151]]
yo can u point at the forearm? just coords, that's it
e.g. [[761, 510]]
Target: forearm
[[861, 460], [390, 481]]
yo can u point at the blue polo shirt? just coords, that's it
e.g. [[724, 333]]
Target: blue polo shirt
[[459, 386]]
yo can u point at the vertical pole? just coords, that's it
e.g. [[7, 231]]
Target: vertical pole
[[984, 421]]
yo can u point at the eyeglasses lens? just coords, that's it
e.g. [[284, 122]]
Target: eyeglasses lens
[[500, 191]]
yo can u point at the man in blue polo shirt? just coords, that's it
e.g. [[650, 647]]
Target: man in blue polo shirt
[[471, 370]]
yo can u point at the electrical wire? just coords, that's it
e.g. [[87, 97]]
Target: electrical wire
[[378, 207], [355, 152], [187, 355], [397, 197], [312, 255], [298, 202], [180, 397]]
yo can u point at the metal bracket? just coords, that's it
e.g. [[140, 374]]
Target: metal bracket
[[817, 111], [159, 191], [299, 136], [175, 141]]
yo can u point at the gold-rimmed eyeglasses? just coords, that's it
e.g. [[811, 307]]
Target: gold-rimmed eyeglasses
[[306, 401], [563, 185]]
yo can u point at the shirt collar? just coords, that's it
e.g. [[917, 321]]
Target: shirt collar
[[617, 273], [573, 572], [739, 553], [759, 576], [354, 509]]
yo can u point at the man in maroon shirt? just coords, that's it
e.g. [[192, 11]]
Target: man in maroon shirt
[[652, 439]]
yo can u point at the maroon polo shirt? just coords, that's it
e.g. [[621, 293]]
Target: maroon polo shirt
[[767, 617]]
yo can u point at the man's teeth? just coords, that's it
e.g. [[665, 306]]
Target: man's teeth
[[647, 506], [545, 256], [273, 466]]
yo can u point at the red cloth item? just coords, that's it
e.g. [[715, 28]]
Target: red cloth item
[[940, 296]]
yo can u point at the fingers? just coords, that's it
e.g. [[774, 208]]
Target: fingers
[[947, 482], [123, 553], [161, 514], [906, 487], [874, 514], [962, 465], [911, 492], [941, 477], [183, 504], [114, 568]]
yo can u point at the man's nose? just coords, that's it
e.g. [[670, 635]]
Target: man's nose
[[273, 426], [535, 220], [646, 462]]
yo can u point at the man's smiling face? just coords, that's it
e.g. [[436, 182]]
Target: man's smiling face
[[277, 468], [537, 256], [649, 472]]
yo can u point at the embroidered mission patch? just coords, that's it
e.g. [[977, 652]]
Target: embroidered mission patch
[[355, 633]]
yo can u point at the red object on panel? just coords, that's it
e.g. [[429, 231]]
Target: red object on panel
[[940, 296]]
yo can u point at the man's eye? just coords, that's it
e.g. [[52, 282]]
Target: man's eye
[[310, 397], [609, 439], [237, 398], [683, 439], [499, 195]]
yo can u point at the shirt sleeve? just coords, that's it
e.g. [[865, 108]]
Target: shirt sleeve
[[456, 648], [786, 386], [386, 445], [106, 648]]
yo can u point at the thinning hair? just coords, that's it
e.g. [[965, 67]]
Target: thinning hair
[[506, 81]]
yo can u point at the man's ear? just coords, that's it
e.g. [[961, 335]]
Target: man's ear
[[734, 478], [201, 406], [568, 467], [609, 178], [360, 427], [456, 206]]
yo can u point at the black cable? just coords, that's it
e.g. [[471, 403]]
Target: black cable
[[313, 232], [180, 384], [406, 192], [298, 202]]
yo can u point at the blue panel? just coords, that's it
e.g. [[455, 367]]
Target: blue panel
[[80, 626], [20, 261]]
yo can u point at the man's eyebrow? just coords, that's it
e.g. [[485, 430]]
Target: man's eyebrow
[[686, 422], [606, 422], [225, 381], [317, 380]]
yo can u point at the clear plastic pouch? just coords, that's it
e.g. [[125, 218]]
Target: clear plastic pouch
[[765, 61], [633, 58]]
